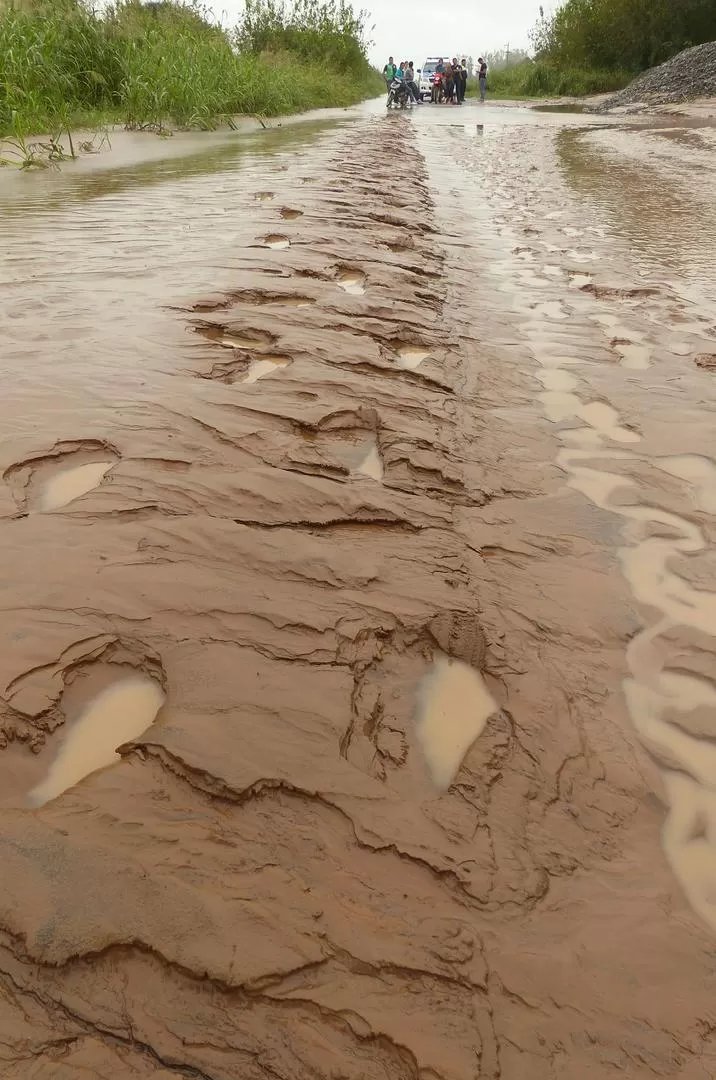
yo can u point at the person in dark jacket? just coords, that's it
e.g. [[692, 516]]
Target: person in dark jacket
[[463, 81], [449, 83], [482, 75]]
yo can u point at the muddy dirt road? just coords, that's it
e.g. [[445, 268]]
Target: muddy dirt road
[[360, 493]]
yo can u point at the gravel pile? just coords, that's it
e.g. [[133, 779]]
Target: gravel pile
[[691, 74]]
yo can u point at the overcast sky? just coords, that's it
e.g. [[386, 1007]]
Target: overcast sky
[[416, 29]]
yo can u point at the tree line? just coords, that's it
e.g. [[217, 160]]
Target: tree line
[[625, 35]]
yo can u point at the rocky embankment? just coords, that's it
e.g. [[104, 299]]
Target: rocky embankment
[[689, 75]]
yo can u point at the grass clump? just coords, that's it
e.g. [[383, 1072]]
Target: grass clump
[[541, 79], [589, 47], [63, 64]]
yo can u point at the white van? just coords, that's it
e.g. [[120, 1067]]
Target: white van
[[424, 77]]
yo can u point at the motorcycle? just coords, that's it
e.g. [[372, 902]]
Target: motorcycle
[[437, 90], [398, 95]]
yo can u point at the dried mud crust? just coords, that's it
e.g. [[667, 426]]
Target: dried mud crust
[[267, 886]]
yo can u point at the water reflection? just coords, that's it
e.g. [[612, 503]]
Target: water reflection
[[52, 189], [665, 216]]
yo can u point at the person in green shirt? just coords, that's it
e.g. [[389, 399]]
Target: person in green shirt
[[389, 71]]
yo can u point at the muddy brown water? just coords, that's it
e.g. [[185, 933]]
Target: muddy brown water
[[359, 601]]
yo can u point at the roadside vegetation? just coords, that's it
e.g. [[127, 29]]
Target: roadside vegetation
[[598, 46], [64, 64]]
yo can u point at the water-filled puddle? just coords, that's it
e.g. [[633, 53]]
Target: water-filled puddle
[[288, 214], [454, 705], [411, 357], [65, 487], [277, 241], [264, 196], [351, 281], [552, 309], [633, 356], [250, 339], [265, 365], [118, 714], [370, 465], [556, 379], [698, 471], [560, 405]]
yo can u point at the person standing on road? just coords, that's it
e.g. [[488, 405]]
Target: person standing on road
[[411, 84], [456, 81], [483, 78], [389, 71], [449, 83], [463, 81]]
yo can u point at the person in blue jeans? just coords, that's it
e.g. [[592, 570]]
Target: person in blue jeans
[[483, 78], [411, 83]]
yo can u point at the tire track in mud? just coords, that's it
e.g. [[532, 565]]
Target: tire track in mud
[[661, 697], [271, 885], [308, 413]]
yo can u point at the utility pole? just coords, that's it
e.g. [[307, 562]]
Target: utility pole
[[507, 57]]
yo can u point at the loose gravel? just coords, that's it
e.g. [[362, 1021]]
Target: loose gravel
[[691, 74]]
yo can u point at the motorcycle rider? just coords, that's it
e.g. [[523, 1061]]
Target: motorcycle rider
[[411, 84], [399, 77], [389, 71]]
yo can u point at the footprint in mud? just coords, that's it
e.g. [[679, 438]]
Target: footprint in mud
[[582, 256], [277, 241], [579, 279], [410, 356], [288, 214], [706, 361], [264, 196], [109, 708], [70, 470], [561, 403], [254, 297], [453, 708], [254, 364], [249, 338], [263, 365], [632, 354], [351, 281], [371, 465], [551, 309], [699, 472]]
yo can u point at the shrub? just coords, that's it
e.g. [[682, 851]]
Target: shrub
[[62, 64]]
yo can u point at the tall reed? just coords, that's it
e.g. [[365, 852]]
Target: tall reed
[[63, 64]]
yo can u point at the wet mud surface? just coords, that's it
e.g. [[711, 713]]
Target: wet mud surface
[[359, 599]]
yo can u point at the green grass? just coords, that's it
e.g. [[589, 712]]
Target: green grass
[[61, 66], [538, 79]]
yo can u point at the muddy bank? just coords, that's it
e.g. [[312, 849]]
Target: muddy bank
[[364, 503]]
